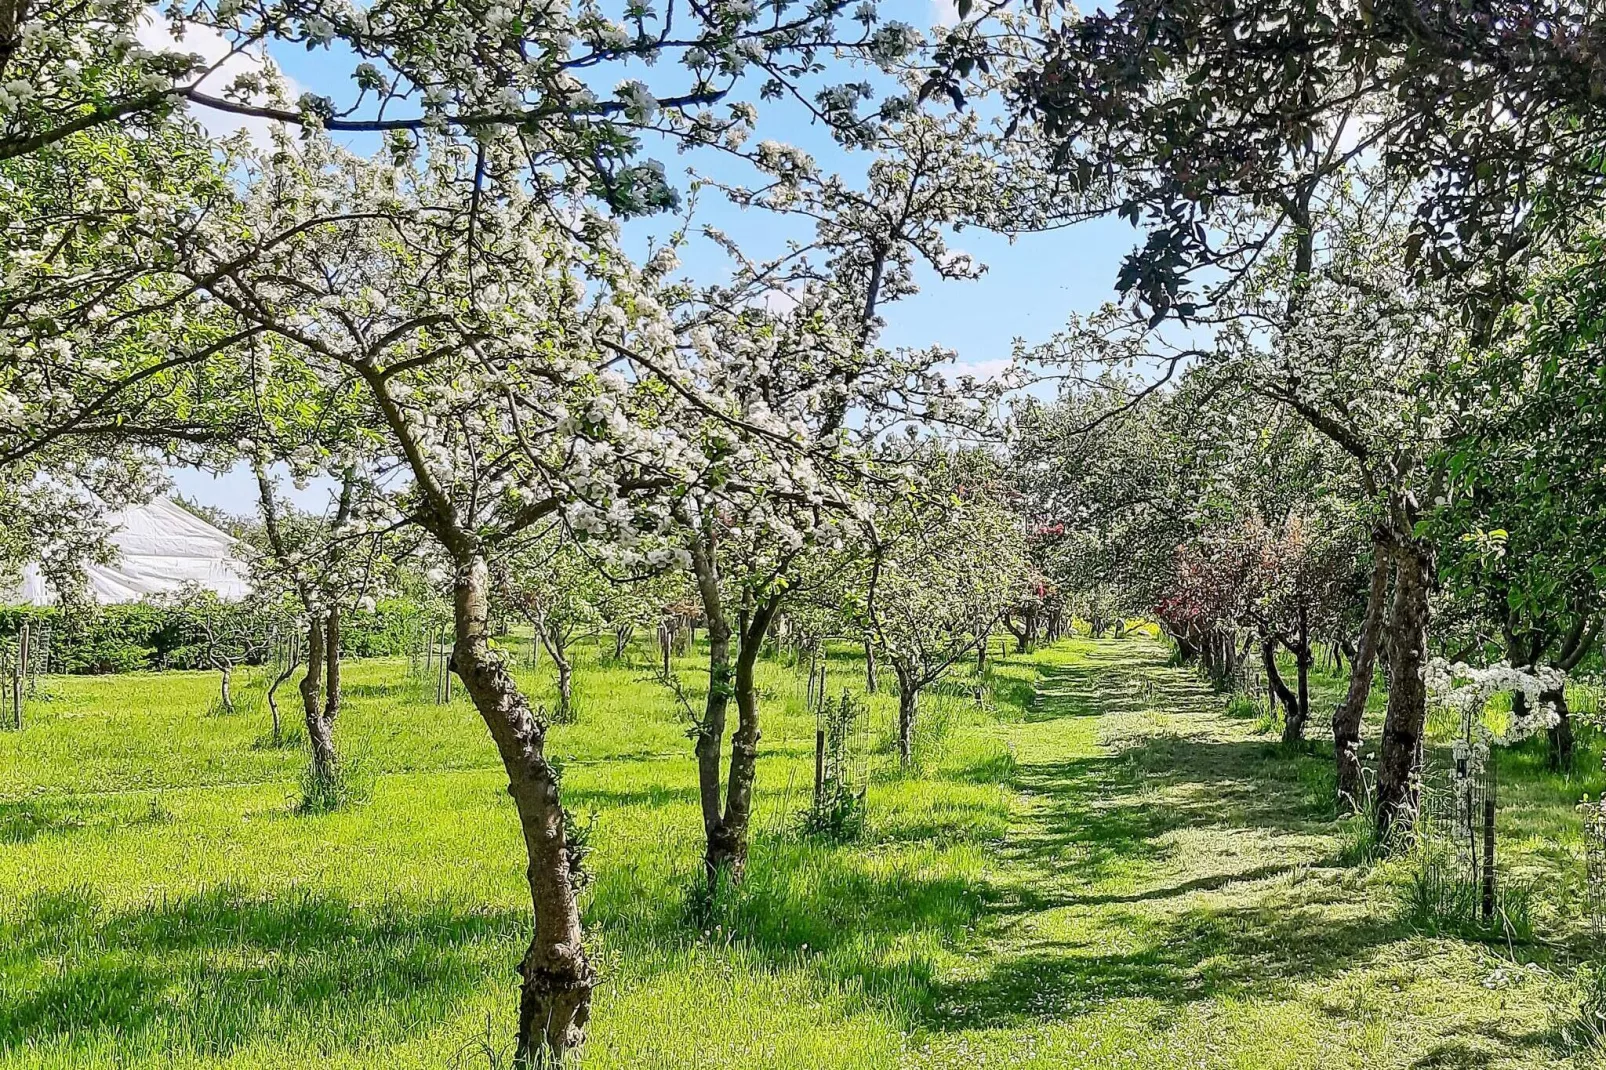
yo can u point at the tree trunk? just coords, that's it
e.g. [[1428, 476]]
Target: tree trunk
[[555, 1001], [1400, 755], [1299, 713], [1294, 727], [871, 684], [908, 706], [1561, 734], [291, 663], [565, 714], [1008, 620], [331, 669], [1277, 690], [621, 639], [1187, 649], [319, 740], [225, 682], [981, 651], [1351, 711], [728, 851]]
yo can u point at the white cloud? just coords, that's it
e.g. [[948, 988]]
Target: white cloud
[[983, 371], [777, 301], [155, 33]]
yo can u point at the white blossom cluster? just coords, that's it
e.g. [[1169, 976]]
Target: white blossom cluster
[[1465, 691]]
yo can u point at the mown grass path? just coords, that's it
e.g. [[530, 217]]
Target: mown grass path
[[1169, 894]]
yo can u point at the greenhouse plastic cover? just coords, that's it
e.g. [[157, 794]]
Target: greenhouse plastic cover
[[161, 547]]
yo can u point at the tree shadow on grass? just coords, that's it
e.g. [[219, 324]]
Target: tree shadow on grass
[[1199, 954], [25, 820], [226, 968]]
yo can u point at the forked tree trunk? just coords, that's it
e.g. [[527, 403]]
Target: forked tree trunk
[[1187, 648], [555, 1000], [1277, 690], [319, 739], [1351, 711], [1401, 751]]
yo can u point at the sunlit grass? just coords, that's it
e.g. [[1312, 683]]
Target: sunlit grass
[[1093, 867]]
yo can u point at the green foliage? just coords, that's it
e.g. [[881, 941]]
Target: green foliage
[[1439, 895], [141, 636]]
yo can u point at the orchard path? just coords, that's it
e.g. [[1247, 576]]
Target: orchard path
[[1170, 893]]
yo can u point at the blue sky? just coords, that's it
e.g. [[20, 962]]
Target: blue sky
[[1030, 287]]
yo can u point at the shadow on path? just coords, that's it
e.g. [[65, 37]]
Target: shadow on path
[[1158, 851]]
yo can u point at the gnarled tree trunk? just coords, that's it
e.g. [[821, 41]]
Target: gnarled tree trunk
[[555, 999], [319, 739], [1400, 756], [1351, 711]]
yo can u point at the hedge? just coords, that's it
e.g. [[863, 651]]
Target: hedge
[[139, 636]]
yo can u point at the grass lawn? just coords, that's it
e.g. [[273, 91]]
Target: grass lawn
[[1099, 867]]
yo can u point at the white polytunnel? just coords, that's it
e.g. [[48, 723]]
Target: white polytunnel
[[161, 547]]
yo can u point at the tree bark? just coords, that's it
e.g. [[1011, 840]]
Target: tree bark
[[1277, 689], [291, 663], [1347, 718], [1299, 714], [565, 713], [1019, 633], [319, 740], [331, 669], [908, 707], [558, 648], [555, 1000], [871, 684], [1401, 751], [728, 850], [1561, 733], [711, 729]]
